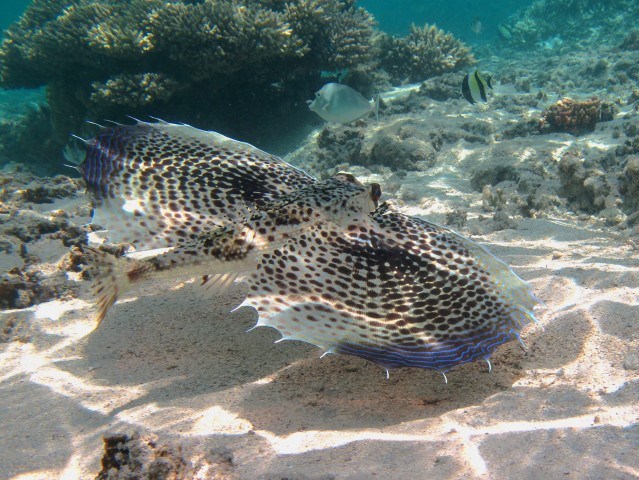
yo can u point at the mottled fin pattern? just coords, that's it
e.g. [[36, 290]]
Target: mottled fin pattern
[[111, 277], [320, 267], [159, 184], [235, 249], [236, 246], [404, 293]]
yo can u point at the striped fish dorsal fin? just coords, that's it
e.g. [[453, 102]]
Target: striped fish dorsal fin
[[405, 293], [158, 184]]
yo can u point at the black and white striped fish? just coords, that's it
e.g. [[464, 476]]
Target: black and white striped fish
[[475, 87]]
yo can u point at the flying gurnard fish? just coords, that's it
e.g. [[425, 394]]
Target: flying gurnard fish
[[324, 263]]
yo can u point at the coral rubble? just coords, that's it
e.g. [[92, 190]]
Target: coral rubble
[[136, 456], [631, 41], [35, 236], [630, 184], [550, 24]]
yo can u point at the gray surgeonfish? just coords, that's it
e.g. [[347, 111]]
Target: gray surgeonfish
[[475, 86], [339, 103]]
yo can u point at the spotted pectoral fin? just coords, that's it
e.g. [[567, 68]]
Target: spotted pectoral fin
[[404, 293], [128, 221]]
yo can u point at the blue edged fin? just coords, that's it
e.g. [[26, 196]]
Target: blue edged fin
[[404, 293]]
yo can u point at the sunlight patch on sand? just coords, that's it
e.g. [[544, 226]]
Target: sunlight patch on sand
[[91, 396], [462, 153], [39, 475], [598, 145], [187, 421], [558, 153], [217, 420], [470, 438], [55, 309]]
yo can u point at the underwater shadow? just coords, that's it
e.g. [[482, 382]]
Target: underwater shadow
[[179, 344], [175, 346], [551, 431], [345, 393], [589, 453], [38, 428]]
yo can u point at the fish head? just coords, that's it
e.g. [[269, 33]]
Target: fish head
[[370, 195], [341, 200], [345, 198], [320, 102]]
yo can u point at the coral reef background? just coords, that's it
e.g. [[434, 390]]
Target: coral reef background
[[253, 64]]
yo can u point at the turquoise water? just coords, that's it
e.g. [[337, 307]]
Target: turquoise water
[[541, 166], [10, 11], [393, 16], [455, 16]]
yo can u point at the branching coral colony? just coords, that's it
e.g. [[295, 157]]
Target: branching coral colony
[[106, 58], [426, 52]]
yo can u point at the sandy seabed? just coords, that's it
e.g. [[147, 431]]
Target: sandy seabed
[[173, 378]]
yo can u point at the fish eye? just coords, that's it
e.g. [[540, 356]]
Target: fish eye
[[376, 192], [317, 94]]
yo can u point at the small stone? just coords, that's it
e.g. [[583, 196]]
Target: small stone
[[612, 216], [631, 361]]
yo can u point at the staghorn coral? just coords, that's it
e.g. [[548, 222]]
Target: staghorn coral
[[424, 53], [134, 90], [575, 117], [341, 41], [222, 38], [108, 58]]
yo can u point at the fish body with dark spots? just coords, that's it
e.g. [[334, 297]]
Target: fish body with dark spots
[[428, 297], [234, 249], [322, 261], [158, 184]]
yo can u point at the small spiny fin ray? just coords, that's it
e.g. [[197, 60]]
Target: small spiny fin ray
[[218, 284], [110, 277]]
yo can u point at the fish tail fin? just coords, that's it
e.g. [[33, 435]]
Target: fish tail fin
[[111, 277]]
